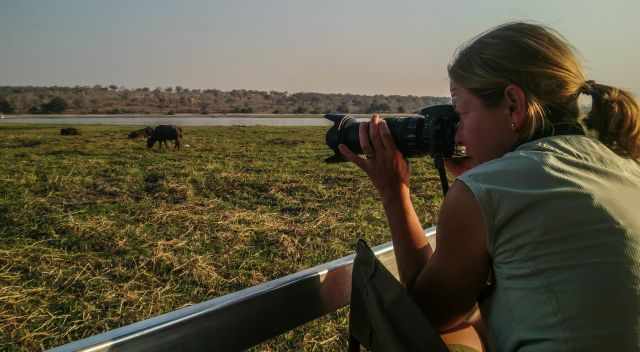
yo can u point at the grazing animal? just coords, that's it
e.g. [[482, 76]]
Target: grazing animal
[[163, 133], [69, 131], [147, 132]]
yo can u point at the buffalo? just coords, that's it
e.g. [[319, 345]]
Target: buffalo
[[163, 133], [69, 131]]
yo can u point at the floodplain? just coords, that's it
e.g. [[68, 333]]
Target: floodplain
[[97, 231]]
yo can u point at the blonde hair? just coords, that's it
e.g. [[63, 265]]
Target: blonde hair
[[544, 65]]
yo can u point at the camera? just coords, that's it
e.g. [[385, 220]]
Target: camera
[[432, 133]]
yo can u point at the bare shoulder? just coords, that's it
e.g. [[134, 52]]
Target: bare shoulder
[[461, 211], [462, 230]]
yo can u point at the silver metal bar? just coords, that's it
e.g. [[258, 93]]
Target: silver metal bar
[[241, 319]]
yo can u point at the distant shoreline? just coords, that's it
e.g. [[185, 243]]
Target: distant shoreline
[[221, 115], [113, 100], [45, 116]]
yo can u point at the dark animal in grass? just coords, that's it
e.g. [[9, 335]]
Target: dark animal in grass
[[69, 131], [163, 133], [146, 132]]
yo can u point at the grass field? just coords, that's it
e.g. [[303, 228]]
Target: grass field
[[97, 232]]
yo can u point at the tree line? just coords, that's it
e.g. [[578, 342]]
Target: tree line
[[112, 99]]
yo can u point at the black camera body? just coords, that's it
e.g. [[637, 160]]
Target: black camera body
[[432, 133]]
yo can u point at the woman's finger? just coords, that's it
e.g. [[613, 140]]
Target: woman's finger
[[374, 132], [348, 154], [387, 138], [363, 136]]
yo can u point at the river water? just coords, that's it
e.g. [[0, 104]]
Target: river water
[[164, 120]]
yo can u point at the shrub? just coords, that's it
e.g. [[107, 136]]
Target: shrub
[[6, 106], [55, 105]]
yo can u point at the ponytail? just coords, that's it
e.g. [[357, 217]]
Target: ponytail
[[615, 117]]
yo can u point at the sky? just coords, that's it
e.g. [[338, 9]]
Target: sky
[[329, 46]]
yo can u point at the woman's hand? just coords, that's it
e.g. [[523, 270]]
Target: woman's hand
[[383, 162]]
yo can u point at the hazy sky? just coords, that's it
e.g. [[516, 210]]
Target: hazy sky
[[355, 46]]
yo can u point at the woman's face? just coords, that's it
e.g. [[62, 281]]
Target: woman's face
[[486, 133]]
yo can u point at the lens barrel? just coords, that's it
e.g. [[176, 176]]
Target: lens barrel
[[432, 133]]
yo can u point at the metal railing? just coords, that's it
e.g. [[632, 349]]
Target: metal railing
[[245, 318]]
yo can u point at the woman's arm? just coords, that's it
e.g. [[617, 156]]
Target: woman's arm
[[444, 283], [410, 245], [389, 172]]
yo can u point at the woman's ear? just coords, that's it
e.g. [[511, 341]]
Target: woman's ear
[[516, 103]]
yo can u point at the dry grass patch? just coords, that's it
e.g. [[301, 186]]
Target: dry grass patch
[[97, 232]]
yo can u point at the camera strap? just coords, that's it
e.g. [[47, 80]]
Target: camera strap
[[560, 128], [438, 160], [550, 129]]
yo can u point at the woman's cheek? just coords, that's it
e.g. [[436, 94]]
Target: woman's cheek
[[459, 138]]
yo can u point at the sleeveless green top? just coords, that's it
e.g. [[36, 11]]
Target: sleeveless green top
[[563, 217]]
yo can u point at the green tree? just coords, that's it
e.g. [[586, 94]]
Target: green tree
[[243, 110], [342, 108], [79, 102], [204, 108], [55, 105], [378, 107], [300, 110], [6, 106]]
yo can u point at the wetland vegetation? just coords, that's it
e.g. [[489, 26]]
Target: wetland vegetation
[[97, 231]]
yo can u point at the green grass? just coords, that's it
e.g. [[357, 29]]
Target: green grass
[[97, 232]]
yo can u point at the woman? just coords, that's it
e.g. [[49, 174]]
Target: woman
[[541, 226]]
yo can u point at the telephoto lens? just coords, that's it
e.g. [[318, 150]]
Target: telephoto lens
[[432, 133]]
